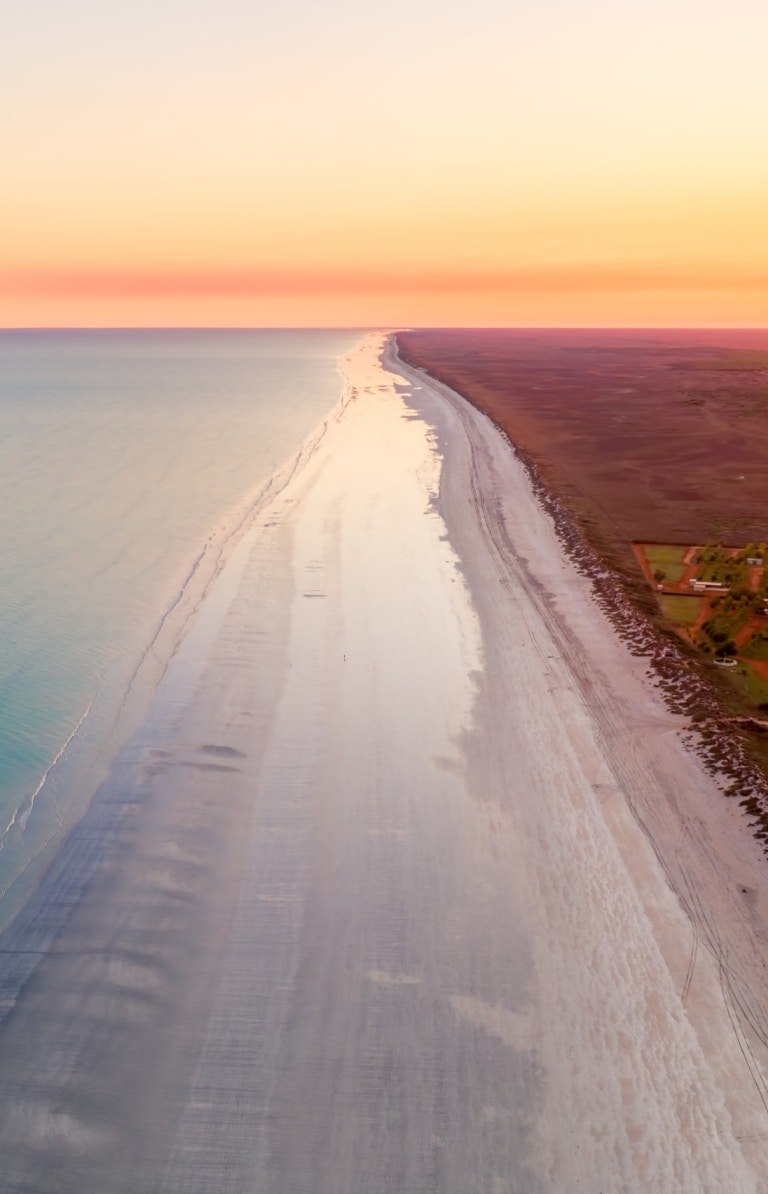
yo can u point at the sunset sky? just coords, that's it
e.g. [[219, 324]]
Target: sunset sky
[[227, 162]]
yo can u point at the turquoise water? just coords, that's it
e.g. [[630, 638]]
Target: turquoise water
[[124, 456]]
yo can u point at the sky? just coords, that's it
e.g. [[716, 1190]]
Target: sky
[[495, 163]]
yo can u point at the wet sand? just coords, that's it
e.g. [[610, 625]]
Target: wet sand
[[408, 881]]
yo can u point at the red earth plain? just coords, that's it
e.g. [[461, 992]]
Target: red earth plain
[[649, 436], [655, 436]]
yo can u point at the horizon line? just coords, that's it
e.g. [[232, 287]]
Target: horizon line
[[391, 328]]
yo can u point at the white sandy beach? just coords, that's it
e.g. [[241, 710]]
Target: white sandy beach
[[408, 882]]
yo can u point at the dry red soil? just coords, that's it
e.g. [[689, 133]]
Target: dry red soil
[[659, 436]]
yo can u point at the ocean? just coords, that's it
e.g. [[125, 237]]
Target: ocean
[[129, 462]]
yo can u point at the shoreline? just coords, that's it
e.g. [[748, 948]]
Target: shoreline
[[656, 780], [407, 839], [117, 707], [719, 731]]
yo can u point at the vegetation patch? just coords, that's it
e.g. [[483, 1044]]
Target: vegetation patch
[[682, 610], [753, 686], [717, 598], [757, 647], [668, 558]]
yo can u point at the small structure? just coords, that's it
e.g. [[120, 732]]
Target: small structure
[[755, 561], [708, 586]]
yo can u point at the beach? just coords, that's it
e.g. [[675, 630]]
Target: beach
[[408, 880]]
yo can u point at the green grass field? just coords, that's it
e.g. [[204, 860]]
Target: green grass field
[[682, 610], [669, 557], [728, 572], [756, 648], [754, 687]]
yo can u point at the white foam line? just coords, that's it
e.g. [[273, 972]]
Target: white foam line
[[252, 506], [23, 812]]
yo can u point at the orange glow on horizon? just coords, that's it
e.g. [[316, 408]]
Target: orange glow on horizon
[[558, 279], [598, 308], [623, 295], [328, 167]]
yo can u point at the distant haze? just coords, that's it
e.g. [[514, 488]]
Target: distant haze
[[234, 163]]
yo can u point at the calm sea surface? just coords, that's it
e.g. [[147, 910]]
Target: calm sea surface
[[125, 457]]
